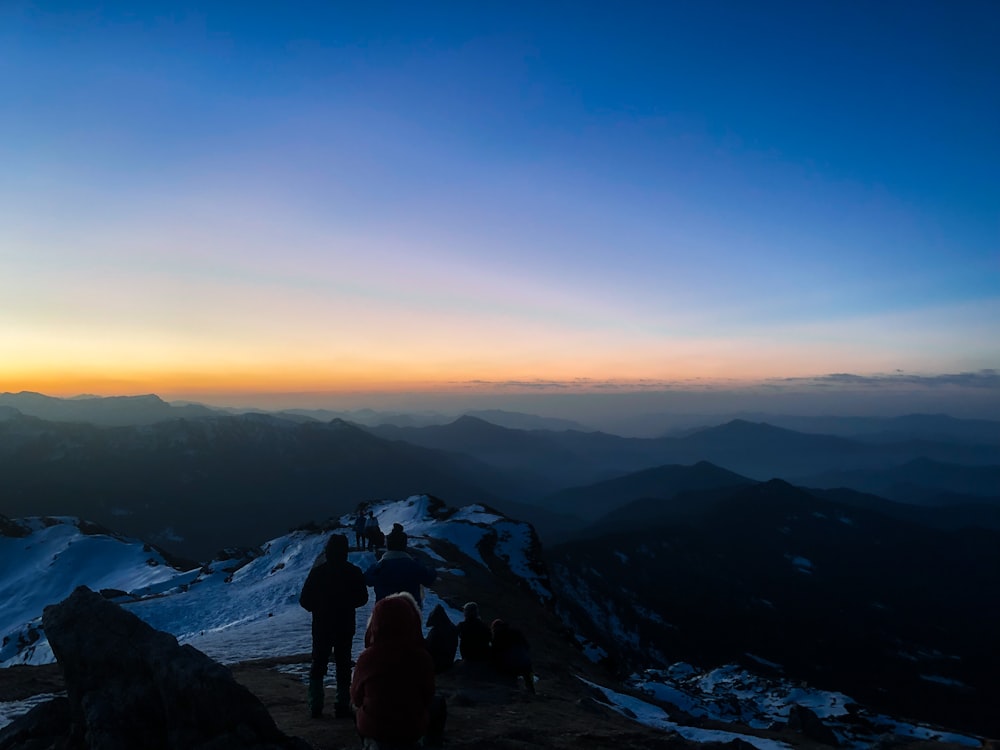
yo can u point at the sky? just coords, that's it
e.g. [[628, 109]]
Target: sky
[[349, 204]]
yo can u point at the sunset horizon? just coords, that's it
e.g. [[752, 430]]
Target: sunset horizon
[[500, 201]]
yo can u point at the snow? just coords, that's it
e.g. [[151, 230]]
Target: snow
[[765, 662], [10, 710], [732, 694], [48, 564], [654, 716], [513, 540], [231, 611], [802, 564], [947, 681]]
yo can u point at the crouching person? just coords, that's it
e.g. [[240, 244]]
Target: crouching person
[[393, 686]]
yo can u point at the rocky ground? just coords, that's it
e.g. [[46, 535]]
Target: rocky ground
[[482, 713]]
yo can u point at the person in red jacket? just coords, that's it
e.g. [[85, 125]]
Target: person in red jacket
[[393, 686]]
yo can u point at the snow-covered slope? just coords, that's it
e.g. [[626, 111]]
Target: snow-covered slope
[[238, 608]]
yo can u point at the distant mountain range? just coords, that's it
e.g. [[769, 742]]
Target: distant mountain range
[[120, 411], [257, 474], [191, 484], [110, 411]]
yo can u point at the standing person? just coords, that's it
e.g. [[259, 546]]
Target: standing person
[[473, 635], [511, 653], [397, 571], [371, 530], [393, 686], [333, 589], [359, 530]]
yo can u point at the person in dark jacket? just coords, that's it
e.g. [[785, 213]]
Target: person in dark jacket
[[393, 686], [511, 654], [473, 635], [442, 639], [372, 531], [397, 571], [333, 589], [359, 531]]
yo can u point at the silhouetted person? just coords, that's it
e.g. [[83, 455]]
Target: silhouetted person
[[473, 635], [511, 654], [442, 639], [372, 530], [333, 589], [397, 571], [359, 531], [393, 686]]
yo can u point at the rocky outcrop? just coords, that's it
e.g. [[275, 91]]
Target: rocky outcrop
[[804, 720], [130, 686]]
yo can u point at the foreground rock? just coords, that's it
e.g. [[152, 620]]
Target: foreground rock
[[130, 686]]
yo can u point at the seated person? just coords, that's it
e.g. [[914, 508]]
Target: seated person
[[473, 635], [511, 654], [393, 686], [442, 639]]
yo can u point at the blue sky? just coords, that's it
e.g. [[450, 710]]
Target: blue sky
[[318, 197]]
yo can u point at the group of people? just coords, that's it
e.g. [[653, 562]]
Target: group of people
[[391, 696], [367, 532], [498, 645]]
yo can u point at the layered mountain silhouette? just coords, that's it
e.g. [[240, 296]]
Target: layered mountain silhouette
[[253, 475], [196, 485], [100, 410]]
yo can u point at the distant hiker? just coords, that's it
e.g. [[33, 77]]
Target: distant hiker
[[372, 530], [442, 639], [473, 635], [510, 653], [359, 530], [393, 686], [333, 589], [397, 571]]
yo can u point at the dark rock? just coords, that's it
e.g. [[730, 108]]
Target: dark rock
[[113, 593], [131, 686], [39, 729], [805, 721], [12, 529]]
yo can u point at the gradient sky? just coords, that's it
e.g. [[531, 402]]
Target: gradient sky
[[218, 200]]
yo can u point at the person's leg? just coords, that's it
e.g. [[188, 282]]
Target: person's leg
[[317, 672], [342, 664]]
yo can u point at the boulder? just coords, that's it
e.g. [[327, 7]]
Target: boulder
[[805, 721], [131, 686]]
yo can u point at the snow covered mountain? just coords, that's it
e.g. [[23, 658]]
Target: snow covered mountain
[[244, 606]]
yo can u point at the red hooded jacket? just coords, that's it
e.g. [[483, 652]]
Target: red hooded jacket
[[393, 681]]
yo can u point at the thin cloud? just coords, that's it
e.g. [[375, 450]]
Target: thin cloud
[[986, 379]]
